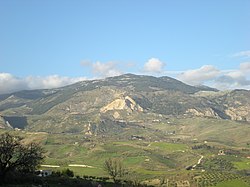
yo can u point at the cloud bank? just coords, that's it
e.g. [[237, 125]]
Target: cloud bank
[[220, 79], [10, 83], [206, 75], [199, 76]]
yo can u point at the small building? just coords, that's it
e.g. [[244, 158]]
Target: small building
[[136, 137], [43, 173], [221, 152]]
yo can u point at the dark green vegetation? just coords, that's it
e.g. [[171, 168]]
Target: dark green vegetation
[[164, 132], [16, 158]]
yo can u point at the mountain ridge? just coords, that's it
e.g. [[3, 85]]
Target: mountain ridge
[[126, 97]]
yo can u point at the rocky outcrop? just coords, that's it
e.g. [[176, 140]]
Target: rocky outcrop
[[128, 97], [87, 130], [124, 103], [241, 113], [207, 112]]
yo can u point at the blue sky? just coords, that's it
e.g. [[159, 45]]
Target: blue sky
[[51, 43]]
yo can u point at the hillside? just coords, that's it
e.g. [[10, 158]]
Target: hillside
[[129, 98], [159, 127]]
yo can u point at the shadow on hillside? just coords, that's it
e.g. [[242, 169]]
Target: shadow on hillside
[[16, 121]]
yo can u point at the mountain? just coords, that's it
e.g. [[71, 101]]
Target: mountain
[[94, 106]]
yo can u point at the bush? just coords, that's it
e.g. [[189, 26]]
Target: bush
[[68, 173]]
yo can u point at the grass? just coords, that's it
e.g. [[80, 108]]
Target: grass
[[168, 147], [136, 156], [228, 132], [244, 164], [76, 154], [134, 161], [232, 183]]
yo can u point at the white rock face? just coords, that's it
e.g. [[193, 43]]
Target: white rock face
[[124, 103], [239, 113], [208, 112]]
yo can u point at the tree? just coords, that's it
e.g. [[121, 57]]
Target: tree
[[115, 168], [17, 157], [68, 173]]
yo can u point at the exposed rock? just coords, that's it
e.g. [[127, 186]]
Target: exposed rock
[[239, 113], [207, 112], [88, 129], [124, 103], [116, 115], [120, 98]]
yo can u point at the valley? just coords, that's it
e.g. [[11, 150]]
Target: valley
[[166, 133]]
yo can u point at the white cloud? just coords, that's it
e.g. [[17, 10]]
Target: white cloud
[[199, 76], [52, 81], [207, 75], [245, 67], [245, 54], [220, 79], [234, 80], [99, 69], [108, 69], [154, 65], [235, 74], [10, 83]]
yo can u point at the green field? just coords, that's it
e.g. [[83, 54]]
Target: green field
[[243, 164], [165, 151], [233, 183], [168, 147]]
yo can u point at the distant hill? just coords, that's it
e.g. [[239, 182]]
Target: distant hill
[[124, 100]]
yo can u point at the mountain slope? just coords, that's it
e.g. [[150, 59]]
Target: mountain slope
[[82, 107]]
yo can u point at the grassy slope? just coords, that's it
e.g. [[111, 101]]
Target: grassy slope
[[233, 183]]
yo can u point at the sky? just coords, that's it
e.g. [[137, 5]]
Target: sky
[[52, 43]]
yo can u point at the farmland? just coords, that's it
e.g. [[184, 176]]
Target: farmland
[[172, 158]]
